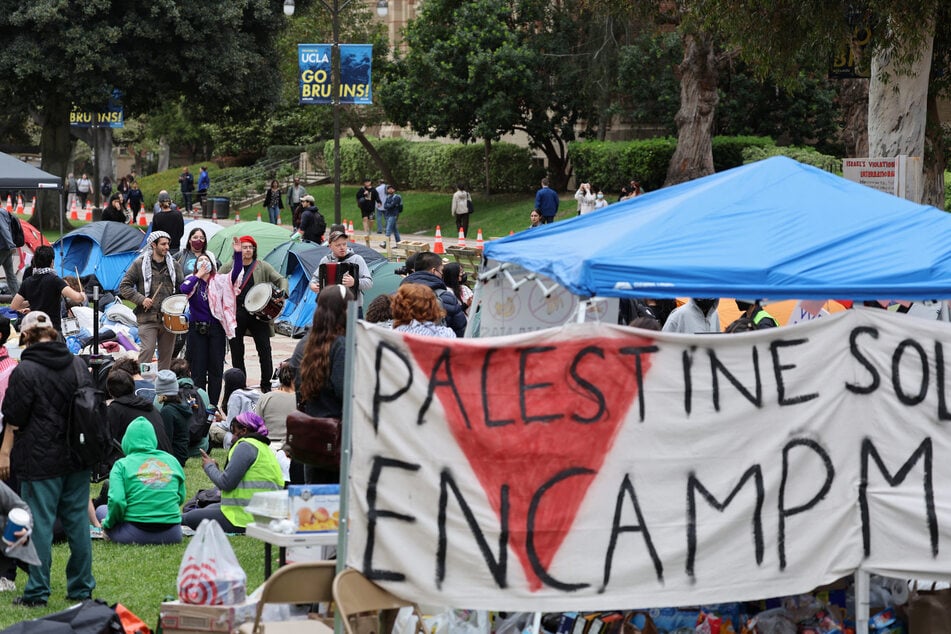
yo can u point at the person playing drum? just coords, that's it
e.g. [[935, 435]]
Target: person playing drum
[[340, 252], [151, 278], [211, 300], [252, 271]]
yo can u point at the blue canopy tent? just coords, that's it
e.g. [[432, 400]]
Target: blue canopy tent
[[104, 249], [773, 229], [297, 261]]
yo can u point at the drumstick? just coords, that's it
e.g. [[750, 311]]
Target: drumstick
[[78, 281], [154, 295]]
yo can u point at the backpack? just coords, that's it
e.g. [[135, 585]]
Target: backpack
[[87, 428], [199, 425], [16, 231], [469, 206]]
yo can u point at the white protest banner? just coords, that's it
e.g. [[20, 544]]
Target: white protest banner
[[597, 467]]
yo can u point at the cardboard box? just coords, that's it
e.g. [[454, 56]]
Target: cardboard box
[[315, 508], [183, 618]]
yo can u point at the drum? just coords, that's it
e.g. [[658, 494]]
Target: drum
[[264, 301], [332, 273], [173, 314]]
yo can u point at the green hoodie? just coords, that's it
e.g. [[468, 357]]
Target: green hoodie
[[148, 485]]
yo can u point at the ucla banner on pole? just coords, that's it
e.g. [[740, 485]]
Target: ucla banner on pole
[[113, 116], [596, 467], [316, 82]]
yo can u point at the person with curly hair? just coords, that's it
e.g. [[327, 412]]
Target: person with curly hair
[[320, 358], [417, 311], [379, 311]]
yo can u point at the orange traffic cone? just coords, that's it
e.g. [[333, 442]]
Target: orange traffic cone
[[19, 204], [479, 239], [142, 221], [462, 238], [237, 217], [438, 246], [350, 232], [9, 204], [33, 208], [214, 216], [73, 213], [88, 214], [259, 216]]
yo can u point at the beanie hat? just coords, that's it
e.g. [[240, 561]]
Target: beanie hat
[[249, 240], [166, 383], [252, 422]]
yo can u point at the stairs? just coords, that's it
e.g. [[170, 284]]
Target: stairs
[[307, 179]]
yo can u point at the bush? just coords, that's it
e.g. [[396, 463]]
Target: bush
[[611, 164], [283, 152], [430, 165], [805, 155]]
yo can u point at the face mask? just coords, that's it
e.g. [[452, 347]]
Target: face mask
[[197, 244], [600, 195]]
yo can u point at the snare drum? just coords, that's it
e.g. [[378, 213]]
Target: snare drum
[[264, 301], [173, 314]]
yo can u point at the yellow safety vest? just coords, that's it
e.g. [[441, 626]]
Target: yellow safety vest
[[264, 475]]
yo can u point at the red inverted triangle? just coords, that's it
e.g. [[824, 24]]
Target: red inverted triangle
[[553, 412]]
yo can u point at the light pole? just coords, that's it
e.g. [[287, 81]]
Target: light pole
[[335, 7]]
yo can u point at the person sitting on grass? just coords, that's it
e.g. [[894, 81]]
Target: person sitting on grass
[[176, 415], [252, 467], [146, 491]]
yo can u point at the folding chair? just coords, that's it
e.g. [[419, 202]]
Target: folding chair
[[305, 582], [355, 595]]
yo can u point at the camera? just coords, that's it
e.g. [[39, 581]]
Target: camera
[[402, 271]]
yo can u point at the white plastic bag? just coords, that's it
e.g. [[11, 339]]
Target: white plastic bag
[[210, 573]]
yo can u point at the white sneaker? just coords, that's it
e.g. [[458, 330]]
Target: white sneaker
[[7, 585]]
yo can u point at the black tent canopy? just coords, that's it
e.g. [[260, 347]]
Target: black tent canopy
[[15, 174]]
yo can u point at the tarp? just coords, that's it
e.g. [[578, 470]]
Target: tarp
[[104, 249], [32, 239], [15, 174], [598, 467], [297, 261], [773, 229], [267, 236]]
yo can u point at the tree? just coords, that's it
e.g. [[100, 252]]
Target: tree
[[481, 69], [908, 52], [218, 54]]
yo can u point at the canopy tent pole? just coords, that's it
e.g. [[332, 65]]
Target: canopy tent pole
[[345, 440]]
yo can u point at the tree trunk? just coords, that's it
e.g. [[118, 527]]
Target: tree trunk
[[935, 160], [897, 108], [693, 157], [375, 156], [559, 171], [105, 166], [852, 95], [487, 145], [56, 148], [165, 153]]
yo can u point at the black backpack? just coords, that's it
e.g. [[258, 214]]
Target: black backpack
[[199, 425], [87, 430], [16, 231]]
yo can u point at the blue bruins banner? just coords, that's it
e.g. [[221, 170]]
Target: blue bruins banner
[[356, 64]]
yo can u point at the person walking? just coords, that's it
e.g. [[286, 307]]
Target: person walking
[[83, 189], [251, 272], [391, 212], [136, 200], [186, 183], [204, 182], [170, 220], [460, 209], [295, 194], [53, 482], [272, 202], [7, 248], [546, 202], [367, 200], [148, 282], [381, 193], [312, 223]]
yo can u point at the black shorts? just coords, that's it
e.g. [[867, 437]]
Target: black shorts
[[368, 213]]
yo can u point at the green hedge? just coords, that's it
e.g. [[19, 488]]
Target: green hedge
[[611, 164], [806, 155], [430, 165], [283, 152]]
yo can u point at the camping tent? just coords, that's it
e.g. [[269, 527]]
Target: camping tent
[[104, 249], [297, 261], [773, 229], [210, 228], [267, 236]]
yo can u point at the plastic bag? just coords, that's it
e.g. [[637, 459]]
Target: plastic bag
[[210, 573], [451, 621]]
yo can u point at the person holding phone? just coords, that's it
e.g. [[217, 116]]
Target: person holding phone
[[212, 306]]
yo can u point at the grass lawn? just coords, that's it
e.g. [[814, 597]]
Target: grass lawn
[[139, 577]]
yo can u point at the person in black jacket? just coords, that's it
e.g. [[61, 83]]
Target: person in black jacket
[[126, 407], [428, 272], [312, 223], [113, 211], [35, 446]]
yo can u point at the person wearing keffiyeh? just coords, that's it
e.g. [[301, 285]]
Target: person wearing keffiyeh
[[150, 280]]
